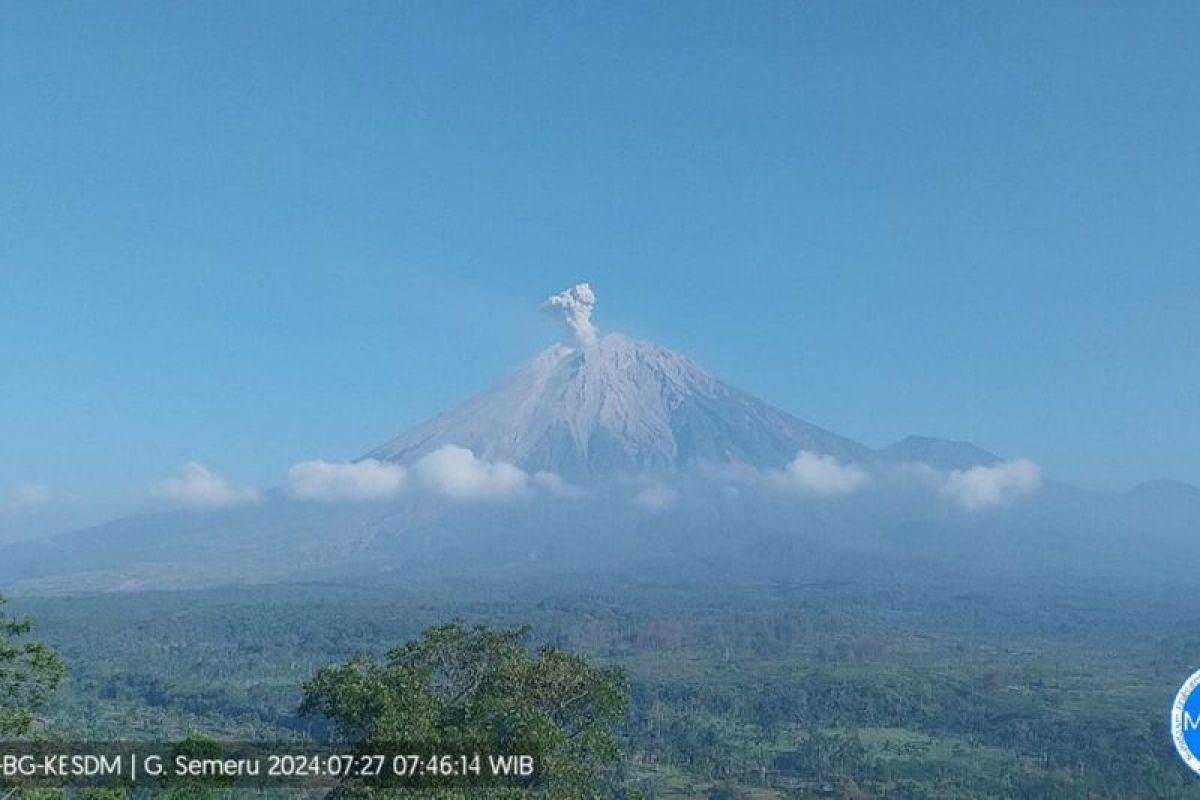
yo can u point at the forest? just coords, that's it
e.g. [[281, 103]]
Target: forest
[[776, 691]]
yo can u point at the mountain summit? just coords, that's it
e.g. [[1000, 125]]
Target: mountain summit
[[617, 405]]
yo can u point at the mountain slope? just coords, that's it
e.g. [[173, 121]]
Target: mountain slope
[[624, 417], [618, 405], [1165, 491], [937, 453]]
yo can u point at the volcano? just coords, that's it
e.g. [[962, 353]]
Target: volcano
[[609, 455], [619, 405]]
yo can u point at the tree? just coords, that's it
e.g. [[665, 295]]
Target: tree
[[725, 791], [29, 674], [480, 690]]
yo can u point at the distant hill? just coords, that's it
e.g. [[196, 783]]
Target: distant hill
[[1164, 490], [937, 453]]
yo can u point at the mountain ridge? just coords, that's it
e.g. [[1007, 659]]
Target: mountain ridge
[[938, 453]]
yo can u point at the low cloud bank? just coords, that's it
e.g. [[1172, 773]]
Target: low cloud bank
[[456, 472], [973, 489], [450, 471], [334, 482], [26, 497], [819, 475], [655, 498], [810, 474], [200, 487], [982, 487], [553, 484]]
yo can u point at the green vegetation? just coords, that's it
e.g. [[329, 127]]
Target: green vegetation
[[780, 692], [29, 674], [478, 690]]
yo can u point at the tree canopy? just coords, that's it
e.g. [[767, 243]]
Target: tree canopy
[[460, 689], [29, 674]]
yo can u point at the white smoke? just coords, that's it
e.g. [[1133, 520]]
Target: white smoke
[[576, 305]]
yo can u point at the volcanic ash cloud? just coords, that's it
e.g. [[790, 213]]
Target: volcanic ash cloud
[[575, 305]]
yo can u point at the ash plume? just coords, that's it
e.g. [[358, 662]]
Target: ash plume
[[575, 305]]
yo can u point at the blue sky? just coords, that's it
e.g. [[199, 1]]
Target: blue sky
[[248, 234]]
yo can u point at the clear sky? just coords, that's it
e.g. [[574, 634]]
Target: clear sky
[[248, 234]]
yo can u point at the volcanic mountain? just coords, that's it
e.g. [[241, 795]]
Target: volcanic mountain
[[619, 457], [617, 405]]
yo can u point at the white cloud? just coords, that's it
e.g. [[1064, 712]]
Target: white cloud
[[912, 474], [456, 472], [656, 498], [451, 471], [327, 481], [26, 497], [200, 487], [820, 475], [983, 487], [552, 483], [808, 473], [31, 495]]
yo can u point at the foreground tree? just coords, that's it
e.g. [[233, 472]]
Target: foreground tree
[[480, 690], [29, 674]]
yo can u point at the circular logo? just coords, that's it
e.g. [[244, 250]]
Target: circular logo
[[1185, 722]]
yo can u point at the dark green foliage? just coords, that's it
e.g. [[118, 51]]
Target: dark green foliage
[[460, 689], [725, 791], [29, 674], [197, 746]]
